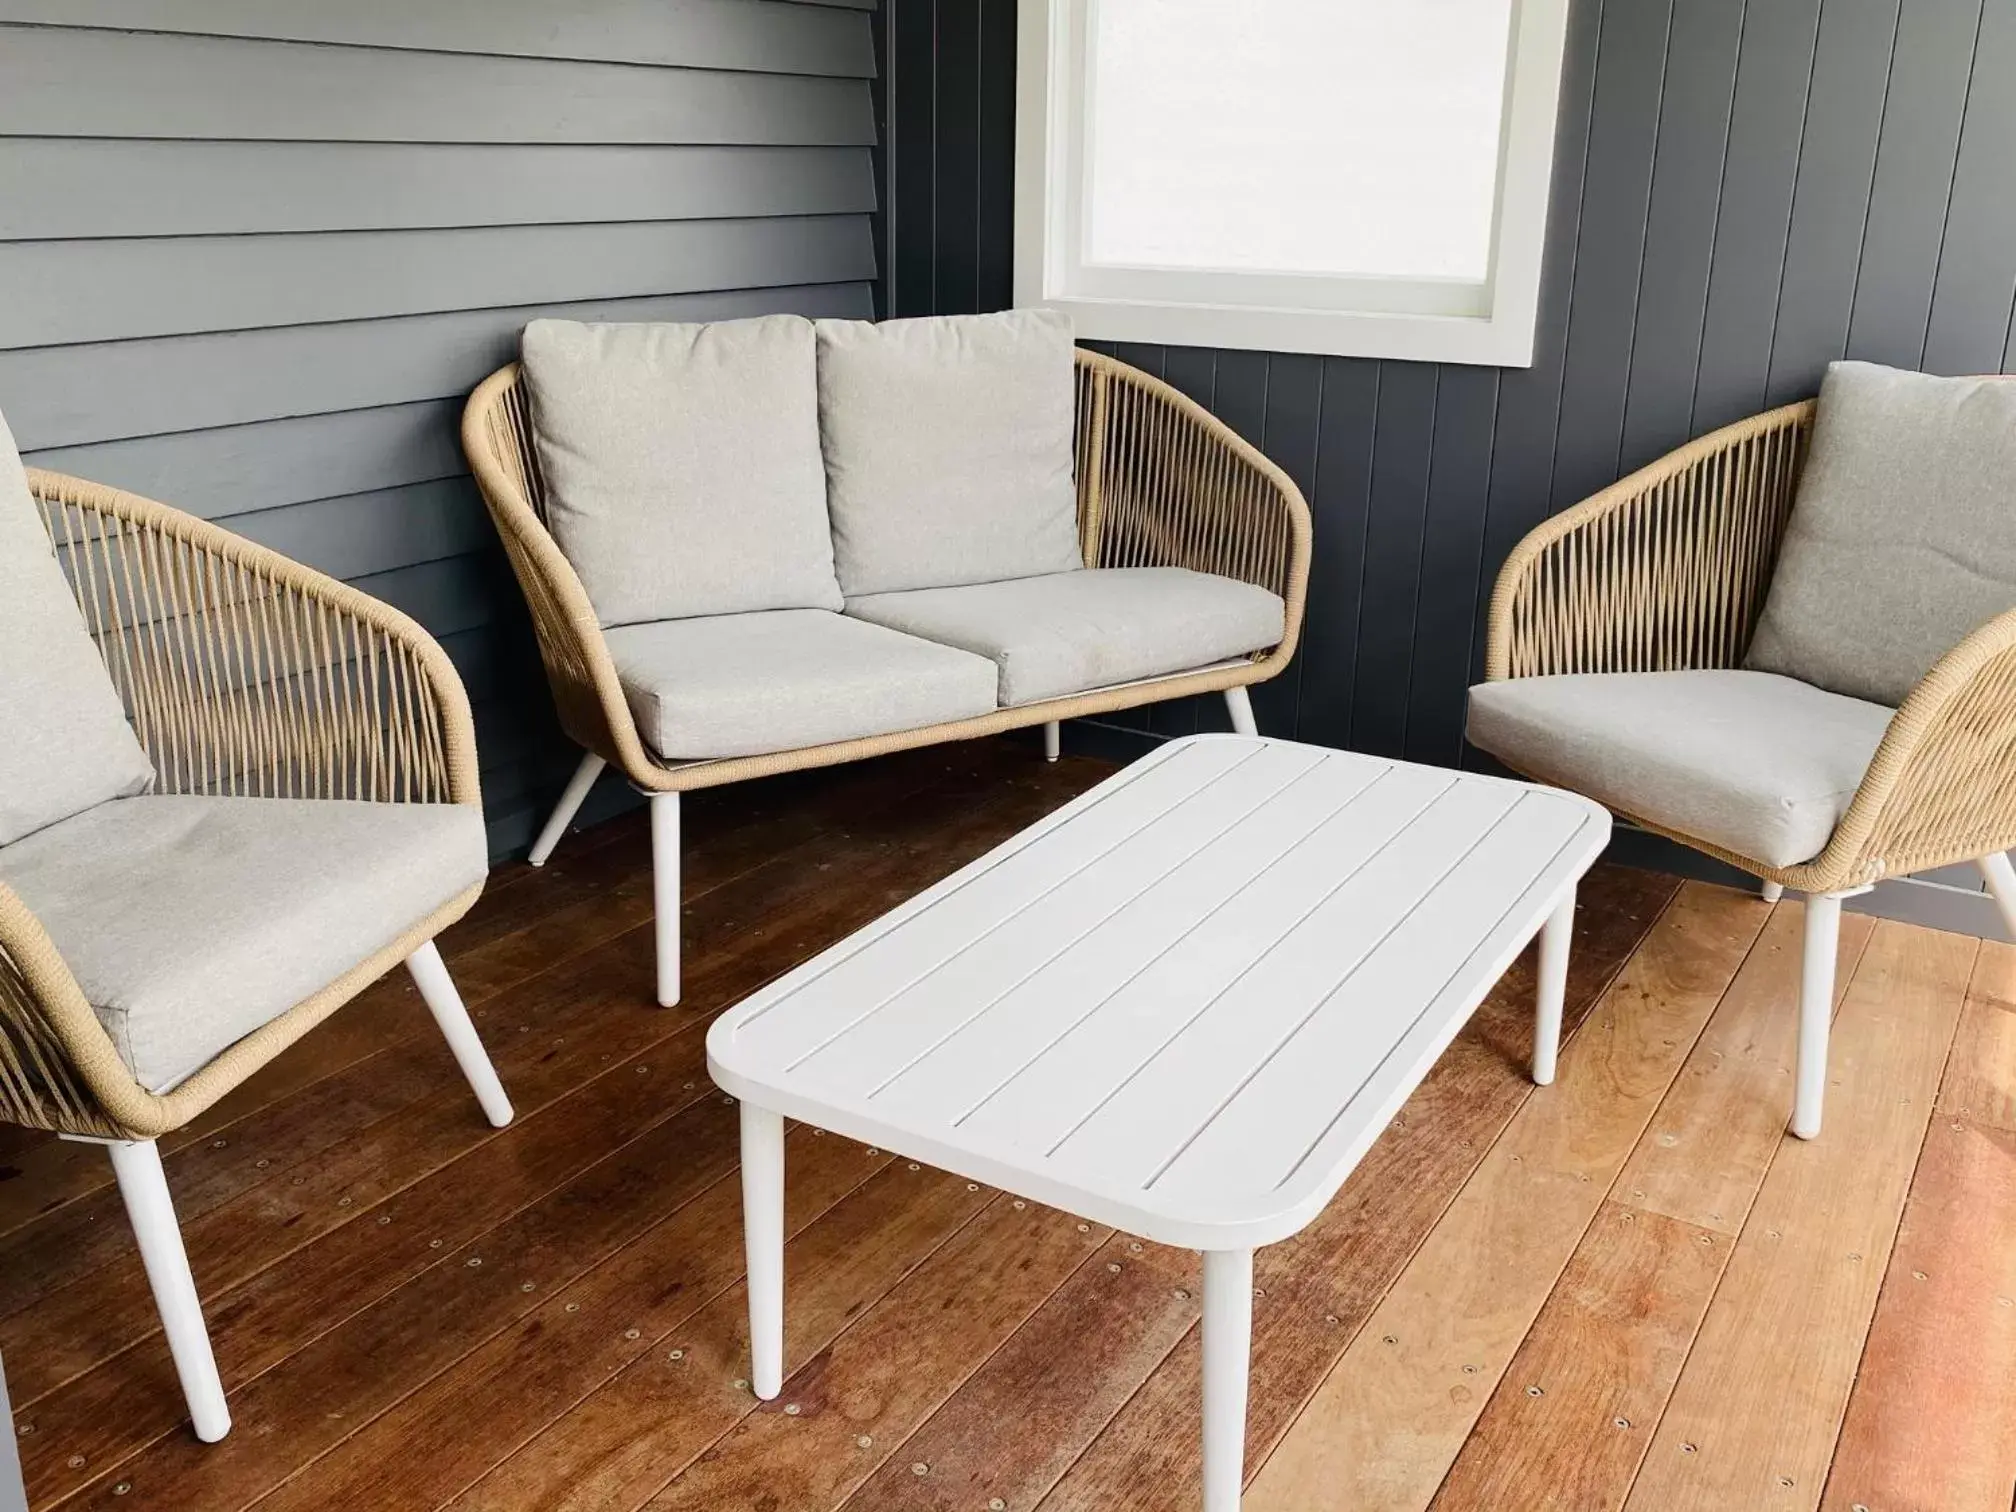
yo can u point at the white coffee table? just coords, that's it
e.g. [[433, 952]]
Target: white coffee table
[[1183, 1005]]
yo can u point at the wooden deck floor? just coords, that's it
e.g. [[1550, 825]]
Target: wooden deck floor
[[1628, 1290]]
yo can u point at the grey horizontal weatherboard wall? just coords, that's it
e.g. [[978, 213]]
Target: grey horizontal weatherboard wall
[[252, 257], [1743, 191]]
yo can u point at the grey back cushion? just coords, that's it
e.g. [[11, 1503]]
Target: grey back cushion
[[948, 447], [65, 744], [682, 464], [1903, 534]]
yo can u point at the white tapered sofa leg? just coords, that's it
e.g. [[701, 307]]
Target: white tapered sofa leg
[[1241, 709], [144, 1188], [1771, 892], [430, 975], [665, 892], [1816, 1010], [1053, 740], [571, 799]]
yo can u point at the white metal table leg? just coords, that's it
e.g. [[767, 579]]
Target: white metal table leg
[[665, 892], [144, 1187], [1241, 709], [571, 799], [2001, 879], [1053, 740], [430, 975], [1816, 1010], [1228, 1349], [1556, 935], [763, 1244]]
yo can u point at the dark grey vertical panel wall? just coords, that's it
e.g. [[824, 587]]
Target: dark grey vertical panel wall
[[1744, 190], [253, 256]]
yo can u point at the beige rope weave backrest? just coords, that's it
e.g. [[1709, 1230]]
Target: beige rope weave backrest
[[241, 671]]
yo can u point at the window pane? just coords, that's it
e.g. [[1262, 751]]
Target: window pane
[[1295, 136]]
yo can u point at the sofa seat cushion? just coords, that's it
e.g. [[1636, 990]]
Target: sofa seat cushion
[[682, 464], [1761, 765], [948, 444], [747, 684], [1902, 539], [190, 921], [64, 741], [1071, 631]]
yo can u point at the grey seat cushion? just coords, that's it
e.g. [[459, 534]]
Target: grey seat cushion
[[190, 922], [1070, 631], [682, 464], [64, 740], [1761, 765], [746, 684], [1903, 534], [948, 445]]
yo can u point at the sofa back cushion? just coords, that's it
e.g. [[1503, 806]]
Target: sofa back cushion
[[682, 464], [1903, 533], [948, 445], [65, 745]]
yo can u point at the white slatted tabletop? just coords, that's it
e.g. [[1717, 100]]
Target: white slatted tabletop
[[1183, 1005]]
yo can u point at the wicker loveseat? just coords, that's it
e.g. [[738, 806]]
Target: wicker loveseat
[[1636, 634], [290, 810], [1160, 483]]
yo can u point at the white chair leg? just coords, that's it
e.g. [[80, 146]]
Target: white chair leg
[[763, 1245], [143, 1186], [2001, 879], [1816, 1010], [1555, 937], [665, 892], [430, 975], [1228, 1350], [571, 799], [1241, 708], [1771, 892], [1053, 740]]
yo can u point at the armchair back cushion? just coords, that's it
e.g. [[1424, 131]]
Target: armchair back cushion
[[948, 447], [682, 464], [1902, 538], [65, 744]]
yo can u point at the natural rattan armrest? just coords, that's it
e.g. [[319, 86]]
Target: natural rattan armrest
[[1941, 787], [245, 672], [1162, 482], [1665, 570]]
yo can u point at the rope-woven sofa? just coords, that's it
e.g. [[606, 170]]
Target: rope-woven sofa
[[1159, 483], [1855, 663]]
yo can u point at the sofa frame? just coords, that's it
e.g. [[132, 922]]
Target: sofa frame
[[1161, 483]]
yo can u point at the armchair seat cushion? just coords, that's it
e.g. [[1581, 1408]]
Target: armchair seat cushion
[[189, 921], [747, 684], [1068, 632], [1757, 764]]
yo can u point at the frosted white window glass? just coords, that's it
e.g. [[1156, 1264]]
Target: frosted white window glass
[[1340, 137]]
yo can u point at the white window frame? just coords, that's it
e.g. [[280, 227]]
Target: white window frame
[[1344, 316]]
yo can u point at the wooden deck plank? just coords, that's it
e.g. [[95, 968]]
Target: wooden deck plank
[[849, 1409], [1113, 1322], [1606, 1349], [1322, 1284], [654, 1415], [1754, 1418], [1390, 1419], [1929, 1426], [1714, 1136]]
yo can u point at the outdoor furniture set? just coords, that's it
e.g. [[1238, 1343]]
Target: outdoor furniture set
[[233, 792]]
